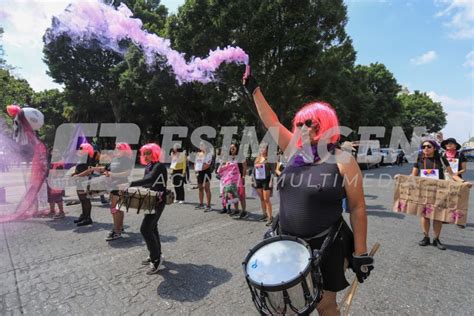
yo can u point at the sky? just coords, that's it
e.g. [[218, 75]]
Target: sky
[[427, 44]]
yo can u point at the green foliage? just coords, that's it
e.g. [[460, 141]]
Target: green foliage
[[2, 53], [419, 110], [13, 90], [52, 103], [299, 52]]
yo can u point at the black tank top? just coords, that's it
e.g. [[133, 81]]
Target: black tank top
[[310, 198]]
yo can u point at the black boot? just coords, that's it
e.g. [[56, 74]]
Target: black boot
[[425, 241], [85, 222], [438, 244], [79, 219]]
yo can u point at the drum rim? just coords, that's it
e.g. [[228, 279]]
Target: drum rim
[[281, 286]]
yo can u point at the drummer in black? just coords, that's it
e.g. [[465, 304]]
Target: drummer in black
[[311, 192], [155, 178], [84, 170]]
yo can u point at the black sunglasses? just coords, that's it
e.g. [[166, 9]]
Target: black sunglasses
[[308, 123], [426, 146]]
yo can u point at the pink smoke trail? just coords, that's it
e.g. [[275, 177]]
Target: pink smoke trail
[[94, 20]]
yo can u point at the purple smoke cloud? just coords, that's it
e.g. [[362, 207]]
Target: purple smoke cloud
[[94, 20]]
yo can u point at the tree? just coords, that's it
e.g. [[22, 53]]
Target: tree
[[52, 103], [93, 75], [2, 53], [373, 98], [419, 110], [299, 51]]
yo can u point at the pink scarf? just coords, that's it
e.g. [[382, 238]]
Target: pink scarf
[[451, 153]]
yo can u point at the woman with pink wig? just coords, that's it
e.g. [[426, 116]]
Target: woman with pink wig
[[118, 171], [84, 169], [155, 178], [312, 187]]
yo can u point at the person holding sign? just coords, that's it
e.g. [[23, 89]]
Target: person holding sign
[[457, 160], [202, 166], [262, 176], [430, 164], [178, 171]]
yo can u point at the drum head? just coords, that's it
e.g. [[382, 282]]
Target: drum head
[[278, 262]]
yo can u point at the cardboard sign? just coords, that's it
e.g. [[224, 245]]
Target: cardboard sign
[[454, 164], [442, 200], [260, 172]]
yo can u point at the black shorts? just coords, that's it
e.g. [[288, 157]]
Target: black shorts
[[332, 266], [263, 184], [204, 176]]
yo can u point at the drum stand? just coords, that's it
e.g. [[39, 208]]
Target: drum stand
[[347, 300]]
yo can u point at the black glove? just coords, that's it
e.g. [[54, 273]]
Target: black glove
[[249, 81], [362, 265]]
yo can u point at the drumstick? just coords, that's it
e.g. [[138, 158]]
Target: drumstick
[[347, 300]]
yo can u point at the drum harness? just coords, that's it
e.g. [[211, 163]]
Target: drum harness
[[331, 234]]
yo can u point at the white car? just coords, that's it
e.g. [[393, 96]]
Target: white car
[[389, 156]]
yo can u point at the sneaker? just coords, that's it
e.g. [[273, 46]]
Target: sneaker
[[79, 219], [59, 215], [113, 235], [155, 267], [223, 211], [180, 202], [85, 222], [243, 214], [424, 242], [269, 221], [262, 218], [438, 244], [199, 207], [208, 209], [175, 201]]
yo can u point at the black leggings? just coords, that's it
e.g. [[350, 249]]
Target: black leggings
[[178, 182], [149, 230], [85, 203]]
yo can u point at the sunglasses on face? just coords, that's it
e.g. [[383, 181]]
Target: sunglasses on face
[[308, 123], [426, 146]]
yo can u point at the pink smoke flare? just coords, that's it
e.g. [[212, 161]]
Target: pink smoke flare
[[94, 20]]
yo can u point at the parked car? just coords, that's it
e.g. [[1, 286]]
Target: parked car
[[389, 156], [367, 153], [469, 153]]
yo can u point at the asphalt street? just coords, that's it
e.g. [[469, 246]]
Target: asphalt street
[[55, 268]]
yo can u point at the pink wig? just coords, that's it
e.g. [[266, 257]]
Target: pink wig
[[320, 113], [13, 110], [88, 148], [155, 152], [125, 148]]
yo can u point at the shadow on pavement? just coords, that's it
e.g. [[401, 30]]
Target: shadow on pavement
[[469, 250], [134, 239], [190, 282]]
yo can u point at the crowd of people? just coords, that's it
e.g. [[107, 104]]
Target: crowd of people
[[311, 205]]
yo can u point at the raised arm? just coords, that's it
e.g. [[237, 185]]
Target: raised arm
[[269, 118]]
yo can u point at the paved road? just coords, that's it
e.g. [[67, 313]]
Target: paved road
[[52, 267]]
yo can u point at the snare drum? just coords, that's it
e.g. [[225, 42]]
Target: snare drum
[[141, 199], [282, 278]]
